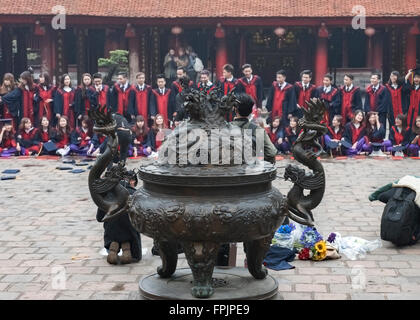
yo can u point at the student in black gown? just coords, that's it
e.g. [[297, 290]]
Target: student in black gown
[[119, 232]]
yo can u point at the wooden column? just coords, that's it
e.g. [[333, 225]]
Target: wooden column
[[242, 49], [411, 47], [321, 55], [345, 63], [378, 53], [133, 57], [61, 66], [47, 45], [21, 61], [81, 53], [7, 53], [155, 63], [221, 52]]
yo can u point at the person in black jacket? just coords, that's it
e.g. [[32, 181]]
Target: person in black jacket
[[119, 232]]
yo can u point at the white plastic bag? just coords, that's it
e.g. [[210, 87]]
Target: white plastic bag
[[354, 247], [284, 240]]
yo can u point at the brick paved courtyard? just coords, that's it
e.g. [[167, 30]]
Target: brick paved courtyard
[[48, 228]]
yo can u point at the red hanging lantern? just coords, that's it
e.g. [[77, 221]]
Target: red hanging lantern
[[220, 32], [129, 31], [280, 32], [370, 32], [323, 31], [176, 30], [39, 30], [414, 30]]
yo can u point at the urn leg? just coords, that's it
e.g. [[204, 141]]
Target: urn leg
[[169, 256], [255, 253], [201, 257]]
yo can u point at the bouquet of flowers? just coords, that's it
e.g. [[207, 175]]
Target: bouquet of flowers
[[283, 236], [312, 246]]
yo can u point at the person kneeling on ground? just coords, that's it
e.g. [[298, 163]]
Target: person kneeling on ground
[[119, 232]]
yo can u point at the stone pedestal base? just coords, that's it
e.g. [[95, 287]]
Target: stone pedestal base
[[228, 284]]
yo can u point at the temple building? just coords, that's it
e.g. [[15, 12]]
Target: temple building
[[322, 35]]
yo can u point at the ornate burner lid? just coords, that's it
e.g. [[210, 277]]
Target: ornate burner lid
[[208, 176]]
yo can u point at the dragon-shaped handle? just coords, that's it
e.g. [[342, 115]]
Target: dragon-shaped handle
[[300, 206]]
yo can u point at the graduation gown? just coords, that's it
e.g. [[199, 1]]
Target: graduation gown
[[121, 230], [64, 104], [162, 104], [398, 101], [254, 88], [5, 112], [122, 102], [142, 101], [352, 134], [28, 139], [379, 101], [44, 108], [177, 100], [304, 95], [21, 103], [43, 136], [79, 133], [397, 137], [291, 136], [281, 102], [61, 140], [350, 102], [335, 135], [376, 135], [100, 98], [414, 106], [331, 100], [82, 104]]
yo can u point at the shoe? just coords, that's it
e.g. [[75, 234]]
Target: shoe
[[112, 258], [126, 253]]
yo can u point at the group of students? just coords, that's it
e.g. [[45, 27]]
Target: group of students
[[41, 112]]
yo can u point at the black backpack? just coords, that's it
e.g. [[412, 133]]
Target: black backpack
[[400, 222]]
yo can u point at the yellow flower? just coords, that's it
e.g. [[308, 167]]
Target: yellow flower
[[321, 247], [318, 256]]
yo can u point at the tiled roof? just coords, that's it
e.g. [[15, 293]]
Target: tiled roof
[[213, 8]]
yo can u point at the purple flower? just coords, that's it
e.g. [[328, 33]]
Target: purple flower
[[331, 237], [309, 237]]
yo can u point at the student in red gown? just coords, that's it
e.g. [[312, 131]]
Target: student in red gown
[[399, 134], [290, 134], [331, 98], [20, 101], [100, 93], [82, 96], [252, 85], [334, 135], [227, 83], [304, 90], [276, 134], [281, 100], [27, 137], [414, 89], [160, 101], [140, 132], [122, 97], [64, 101], [44, 133], [398, 91], [156, 135], [80, 138], [176, 90], [354, 133], [44, 97], [375, 132], [205, 84], [351, 99], [61, 136], [414, 139], [7, 86], [8, 144], [378, 98], [142, 97]]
